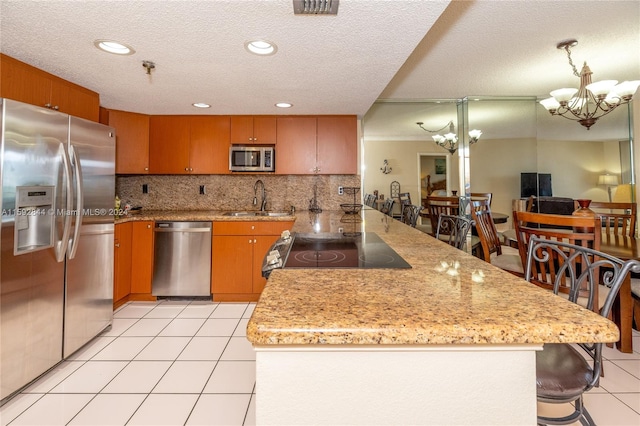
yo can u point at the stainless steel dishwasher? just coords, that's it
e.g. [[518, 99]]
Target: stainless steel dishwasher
[[182, 259]]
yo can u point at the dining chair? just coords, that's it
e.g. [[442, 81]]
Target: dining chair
[[453, 230], [387, 207], [504, 257], [435, 206], [617, 218], [635, 295], [570, 229], [370, 200], [404, 200], [563, 373], [410, 214], [481, 195]]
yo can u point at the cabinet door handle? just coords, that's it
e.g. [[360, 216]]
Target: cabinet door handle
[[249, 240], [117, 245], [148, 226], [47, 105], [186, 169], [146, 169], [254, 241], [55, 107]]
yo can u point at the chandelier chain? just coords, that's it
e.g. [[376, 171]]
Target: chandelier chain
[[436, 131], [575, 70]]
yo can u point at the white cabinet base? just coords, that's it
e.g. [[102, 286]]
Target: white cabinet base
[[366, 385]]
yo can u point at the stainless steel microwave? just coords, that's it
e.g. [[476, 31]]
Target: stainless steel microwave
[[251, 158]]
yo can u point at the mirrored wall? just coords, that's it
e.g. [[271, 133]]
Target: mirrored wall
[[519, 139]]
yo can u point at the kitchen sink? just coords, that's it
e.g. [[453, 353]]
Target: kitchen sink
[[273, 214], [261, 213]]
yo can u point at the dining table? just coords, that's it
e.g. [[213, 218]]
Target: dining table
[[625, 248]]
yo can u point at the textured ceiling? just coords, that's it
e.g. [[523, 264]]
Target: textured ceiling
[[324, 64], [389, 49]]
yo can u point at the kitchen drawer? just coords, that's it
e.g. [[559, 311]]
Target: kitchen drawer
[[251, 228]]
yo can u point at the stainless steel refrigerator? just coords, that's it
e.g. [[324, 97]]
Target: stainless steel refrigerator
[[56, 265]]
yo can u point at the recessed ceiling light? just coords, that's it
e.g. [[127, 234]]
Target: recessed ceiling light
[[261, 47], [284, 105], [114, 47], [201, 105]]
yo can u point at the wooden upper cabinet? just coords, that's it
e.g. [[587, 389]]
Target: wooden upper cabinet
[[169, 144], [132, 141], [253, 129], [317, 145], [209, 144], [337, 152], [296, 148], [189, 144], [24, 83]]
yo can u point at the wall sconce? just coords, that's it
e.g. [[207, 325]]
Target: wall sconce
[[608, 181], [385, 167]]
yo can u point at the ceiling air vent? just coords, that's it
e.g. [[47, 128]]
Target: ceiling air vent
[[315, 7]]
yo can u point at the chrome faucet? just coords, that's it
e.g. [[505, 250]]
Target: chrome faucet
[[263, 204]]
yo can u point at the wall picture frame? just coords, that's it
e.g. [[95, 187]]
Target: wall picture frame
[[440, 166]]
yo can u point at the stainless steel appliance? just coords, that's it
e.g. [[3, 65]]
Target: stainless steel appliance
[[251, 158], [56, 264], [331, 250], [182, 259]]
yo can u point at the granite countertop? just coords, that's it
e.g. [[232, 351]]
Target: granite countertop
[[432, 303], [198, 215]]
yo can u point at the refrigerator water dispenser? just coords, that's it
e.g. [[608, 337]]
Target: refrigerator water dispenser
[[34, 219]]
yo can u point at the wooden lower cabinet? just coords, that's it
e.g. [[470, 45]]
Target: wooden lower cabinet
[[237, 252], [141, 257], [122, 263], [133, 262]]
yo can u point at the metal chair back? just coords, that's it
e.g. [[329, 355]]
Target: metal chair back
[[410, 214], [577, 267], [453, 230], [436, 206], [387, 207], [576, 230]]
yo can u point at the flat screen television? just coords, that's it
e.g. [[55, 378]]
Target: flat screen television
[[544, 185], [537, 184]]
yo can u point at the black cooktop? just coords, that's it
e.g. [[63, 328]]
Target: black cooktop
[[329, 250]]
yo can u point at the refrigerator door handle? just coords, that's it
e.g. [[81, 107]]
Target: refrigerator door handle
[[75, 163], [60, 247]]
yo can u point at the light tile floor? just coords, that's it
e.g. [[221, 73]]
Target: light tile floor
[[189, 363]]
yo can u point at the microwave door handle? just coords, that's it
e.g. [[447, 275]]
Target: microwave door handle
[[75, 163], [60, 247]]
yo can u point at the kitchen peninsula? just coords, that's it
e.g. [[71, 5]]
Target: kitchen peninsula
[[450, 341]]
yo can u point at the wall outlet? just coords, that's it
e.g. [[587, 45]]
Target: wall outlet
[[202, 190], [340, 190], [145, 188]]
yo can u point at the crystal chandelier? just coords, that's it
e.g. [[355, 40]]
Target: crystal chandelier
[[592, 100], [450, 140]]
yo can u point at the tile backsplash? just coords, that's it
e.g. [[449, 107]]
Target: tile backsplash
[[234, 192]]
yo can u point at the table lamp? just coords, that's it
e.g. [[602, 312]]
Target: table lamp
[[608, 181], [624, 193]]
